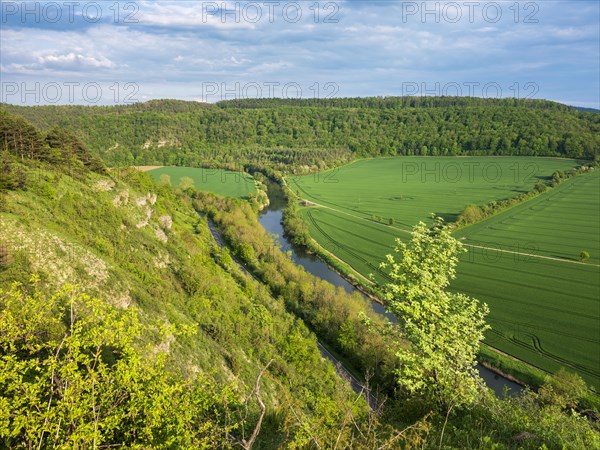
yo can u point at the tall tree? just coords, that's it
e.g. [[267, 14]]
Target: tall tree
[[440, 331]]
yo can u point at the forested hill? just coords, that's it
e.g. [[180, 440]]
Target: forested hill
[[394, 102], [321, 133]]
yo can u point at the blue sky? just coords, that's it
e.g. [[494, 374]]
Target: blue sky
[[121, 51]]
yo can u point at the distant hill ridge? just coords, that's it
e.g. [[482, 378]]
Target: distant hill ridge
[[300, 135]]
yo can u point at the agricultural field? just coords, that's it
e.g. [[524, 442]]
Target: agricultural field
[[222, 182], [524, 262], [409, 189], [545, 302]]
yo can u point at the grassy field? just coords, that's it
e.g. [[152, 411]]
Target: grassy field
[[524, 262], [222, 182], [409, 189], [545, 304]]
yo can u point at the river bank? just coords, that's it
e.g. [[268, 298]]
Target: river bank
[[271, 219]]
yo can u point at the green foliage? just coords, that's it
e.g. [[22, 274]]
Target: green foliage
[[584, 256], [73, 376], [19, 137], [443, 330], [21, 141], [186, 183], [295, 225], [12, 177], [564, 389], [71, 151], [332, 313], [311, 135], [101, 233], [470, 214], [523, 422], [165, 179]]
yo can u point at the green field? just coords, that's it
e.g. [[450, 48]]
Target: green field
[[222, 182], [409, 189], [545, 304]]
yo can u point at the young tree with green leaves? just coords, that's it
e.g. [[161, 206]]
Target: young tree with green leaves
[[440, 331]]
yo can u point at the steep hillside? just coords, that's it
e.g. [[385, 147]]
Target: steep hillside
[[143, 250], [123, 324]]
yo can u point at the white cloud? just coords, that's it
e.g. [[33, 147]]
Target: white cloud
[[75, 61], [195, 14], [176, 46]]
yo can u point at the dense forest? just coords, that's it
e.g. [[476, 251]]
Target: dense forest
[[303, 135]]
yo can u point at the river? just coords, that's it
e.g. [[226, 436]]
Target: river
[[270, 218]]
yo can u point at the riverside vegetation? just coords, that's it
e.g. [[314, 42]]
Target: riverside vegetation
[[123, 324]]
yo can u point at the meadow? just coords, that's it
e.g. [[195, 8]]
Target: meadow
[[523, 262], [217, 181], [409, 189]]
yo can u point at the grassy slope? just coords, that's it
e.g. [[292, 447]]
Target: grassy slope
[[108, 238], [222, 182], [533, 308]]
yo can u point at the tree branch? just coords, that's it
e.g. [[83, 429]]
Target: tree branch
[[247, 444]]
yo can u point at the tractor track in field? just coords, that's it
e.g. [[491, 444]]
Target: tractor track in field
[[536, 344], [530, 255], [537, 348], [348, 250], [548, 330], [523, 336]]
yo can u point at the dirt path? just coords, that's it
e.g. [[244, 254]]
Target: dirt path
[[147, 168]]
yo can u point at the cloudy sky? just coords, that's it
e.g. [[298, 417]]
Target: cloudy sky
[[121, 51]]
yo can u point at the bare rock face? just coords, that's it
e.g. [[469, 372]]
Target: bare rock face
[[121, 199], [103, 186], [161, 236], [165, 222], [144, 222]]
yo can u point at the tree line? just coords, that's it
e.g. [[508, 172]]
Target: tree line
[[305, 135]]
